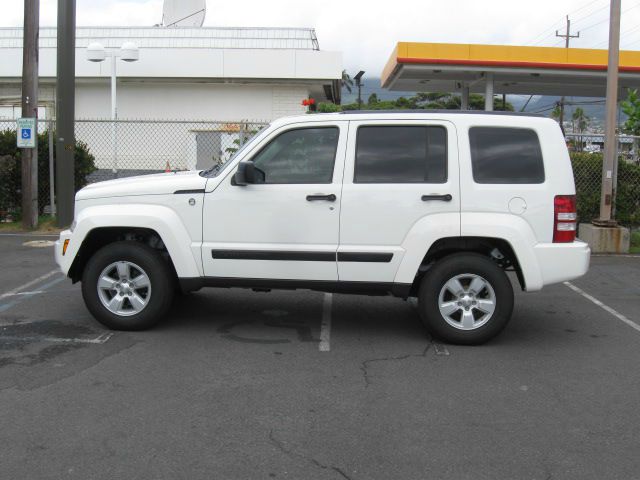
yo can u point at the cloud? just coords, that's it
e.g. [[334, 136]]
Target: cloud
[[367, 31]]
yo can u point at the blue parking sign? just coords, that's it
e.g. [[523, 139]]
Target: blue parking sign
[[27, 132]]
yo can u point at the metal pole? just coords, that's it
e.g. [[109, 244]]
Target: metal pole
[[610, 141], [114, 114], [464, 101], [488, 92], [52, 176], [65, 104], [567, 38], [30, 110]]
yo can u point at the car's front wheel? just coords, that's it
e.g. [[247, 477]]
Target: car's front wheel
[[127, 286], [465, 299]]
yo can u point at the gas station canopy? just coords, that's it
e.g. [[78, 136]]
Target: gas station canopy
[[489, 69]]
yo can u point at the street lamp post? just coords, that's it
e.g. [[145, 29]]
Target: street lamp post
[[129, 53]]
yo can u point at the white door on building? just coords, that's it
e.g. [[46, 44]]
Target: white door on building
[[286, 227]]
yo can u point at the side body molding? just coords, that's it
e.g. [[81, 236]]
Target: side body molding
[[163, 220]]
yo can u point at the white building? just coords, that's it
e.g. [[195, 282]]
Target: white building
[[184, 73], [213, 74]]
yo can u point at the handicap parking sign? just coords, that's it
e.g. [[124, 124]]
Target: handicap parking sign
[[27, 132]]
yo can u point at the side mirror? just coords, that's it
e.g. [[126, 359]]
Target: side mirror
[[247, 173]]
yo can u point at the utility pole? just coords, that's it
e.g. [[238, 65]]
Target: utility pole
[[567, 38], [30, 110], [609, 165], [65, 110]]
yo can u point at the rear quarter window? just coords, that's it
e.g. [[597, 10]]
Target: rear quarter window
[[503, 155]]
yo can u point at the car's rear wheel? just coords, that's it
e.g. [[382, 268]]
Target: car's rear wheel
[[465, 299], [127, 286]]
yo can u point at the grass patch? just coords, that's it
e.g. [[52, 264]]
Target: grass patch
[[46, 224], [635, 242]]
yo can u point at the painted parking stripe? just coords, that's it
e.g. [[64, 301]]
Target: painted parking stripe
[[325, 326], [29, 235], [606, 308], [440, 349], [17, 299], [31, 283], [99, 340]]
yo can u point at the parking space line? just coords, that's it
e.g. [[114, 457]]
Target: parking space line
[[34, 292], [18, 299], [606, 308], [29, 284], [98, 340], [29, 235], [440, 349], [325, 326]]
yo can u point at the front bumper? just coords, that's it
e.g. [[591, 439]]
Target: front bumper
[[64, 261]]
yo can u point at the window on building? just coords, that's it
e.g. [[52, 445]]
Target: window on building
[[305, 155], [506, 155], [401, 154]]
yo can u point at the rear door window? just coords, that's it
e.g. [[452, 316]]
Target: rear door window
[[401, 154], [502, 155]]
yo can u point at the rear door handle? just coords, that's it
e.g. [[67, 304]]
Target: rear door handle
[[329, 198], [444, 198]]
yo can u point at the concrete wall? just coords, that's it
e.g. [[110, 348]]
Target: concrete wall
[[192, 101]]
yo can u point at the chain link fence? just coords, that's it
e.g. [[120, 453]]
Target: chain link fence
[[586, 158], [106, 150]]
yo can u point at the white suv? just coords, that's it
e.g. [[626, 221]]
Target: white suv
[[434, 205]]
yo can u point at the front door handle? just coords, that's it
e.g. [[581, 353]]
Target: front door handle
[[444, 198], [319, 196]]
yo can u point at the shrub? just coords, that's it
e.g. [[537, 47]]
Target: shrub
[[10, 171], [327, 107]]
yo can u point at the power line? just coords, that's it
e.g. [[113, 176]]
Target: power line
[[627, 33], [604, 8], [607, 18], [550, 30]]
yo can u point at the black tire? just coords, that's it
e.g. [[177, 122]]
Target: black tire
[[162, 285], [459, 266]]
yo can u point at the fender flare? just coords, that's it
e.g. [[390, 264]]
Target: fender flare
[[423, 234], [162, 220], [512, 229]]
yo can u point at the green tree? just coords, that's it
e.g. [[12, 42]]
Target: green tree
[[580, 123], [555, 113], [372, 100], [631, 108]]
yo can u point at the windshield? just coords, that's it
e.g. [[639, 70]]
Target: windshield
[[216, 169]]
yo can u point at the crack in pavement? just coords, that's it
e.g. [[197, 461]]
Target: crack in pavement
[[364, 366], [290, 453]]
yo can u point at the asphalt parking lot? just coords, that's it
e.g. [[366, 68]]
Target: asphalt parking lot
[[303, 385]]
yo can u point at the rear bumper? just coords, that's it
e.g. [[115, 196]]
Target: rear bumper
[[561, 262]]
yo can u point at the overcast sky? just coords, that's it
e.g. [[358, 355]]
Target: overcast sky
[[366, 31]]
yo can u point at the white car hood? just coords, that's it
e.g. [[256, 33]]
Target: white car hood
[[156, 184]]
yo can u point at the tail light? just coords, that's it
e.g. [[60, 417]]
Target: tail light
[[565, 217]]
